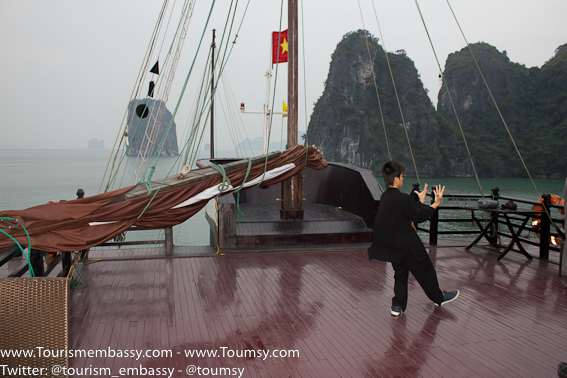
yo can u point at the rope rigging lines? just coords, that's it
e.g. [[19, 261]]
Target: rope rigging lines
[[207, 102], [500, 114], [404, 124], [445, 84], [374, 77], [493, 99], [397, 95], [450, 98], [120, 144], [446, 87]]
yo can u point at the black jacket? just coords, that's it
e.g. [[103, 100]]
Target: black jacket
[[394, 234]]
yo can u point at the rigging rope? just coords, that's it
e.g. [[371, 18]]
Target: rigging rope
[[397, 96], [306, 142], [159, 105], [177, 106], [139, 79], [274, 96], [158, 152], [501, 117], [223, 65], [493, 99], [374, 78], [180, 37], [451, 99], [221, 70], [237, 115]]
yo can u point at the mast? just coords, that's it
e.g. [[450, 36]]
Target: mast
[[292, 189], [267, 107], [213, 96]]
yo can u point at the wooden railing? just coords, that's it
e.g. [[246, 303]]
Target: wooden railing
[[549, 226], [64, 258], [36, 261], [168, 240]]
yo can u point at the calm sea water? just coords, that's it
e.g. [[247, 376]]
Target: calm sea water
[[34, 177]]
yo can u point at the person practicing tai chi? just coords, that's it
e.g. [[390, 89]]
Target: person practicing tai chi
[[396, 240]]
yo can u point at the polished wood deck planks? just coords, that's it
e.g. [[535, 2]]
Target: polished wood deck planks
[[333, 307]]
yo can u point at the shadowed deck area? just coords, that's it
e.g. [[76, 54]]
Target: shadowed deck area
[[264, 219], [332, 307]]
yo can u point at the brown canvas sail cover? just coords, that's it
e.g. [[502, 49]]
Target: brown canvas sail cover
[[87, 222]]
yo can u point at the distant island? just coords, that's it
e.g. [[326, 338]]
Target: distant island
[[257, 144], [346, 124], [149, 118], [96, 144]]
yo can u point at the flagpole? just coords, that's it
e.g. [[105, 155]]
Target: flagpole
[[292, 189]]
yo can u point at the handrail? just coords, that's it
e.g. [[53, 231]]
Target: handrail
[[545, 231], [167, 240], [64, 259]]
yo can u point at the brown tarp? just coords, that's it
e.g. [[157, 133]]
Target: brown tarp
[[64, 226]]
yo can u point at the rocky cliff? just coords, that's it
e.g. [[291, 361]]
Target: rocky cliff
[[147, 139], [346, 123], [531, 113]]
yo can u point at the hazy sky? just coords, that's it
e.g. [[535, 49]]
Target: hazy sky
[[69, 67]]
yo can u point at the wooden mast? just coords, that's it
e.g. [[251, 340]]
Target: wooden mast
[[292, 189], [212, 96]]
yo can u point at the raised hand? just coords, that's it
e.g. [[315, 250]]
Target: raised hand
[[421, 195], [438, 191]]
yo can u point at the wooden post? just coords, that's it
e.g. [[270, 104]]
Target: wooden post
[[493, 240], [544, 228], [292, 189], [36, 261], [169, 241], [434, 225], [65, 264], [212, 96], [227, 214]]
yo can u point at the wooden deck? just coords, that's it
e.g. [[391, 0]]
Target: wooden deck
[[262, 228], [332, 308]]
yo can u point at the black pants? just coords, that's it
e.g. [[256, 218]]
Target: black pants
[[424, 272]]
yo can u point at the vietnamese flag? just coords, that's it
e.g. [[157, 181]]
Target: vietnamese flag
[[279, 44]]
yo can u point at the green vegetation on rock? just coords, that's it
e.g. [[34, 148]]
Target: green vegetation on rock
[[346, 123]]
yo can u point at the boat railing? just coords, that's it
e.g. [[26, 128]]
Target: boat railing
[[36, 261], [450, 213], [167, 240], [64, 259], [460, 209]]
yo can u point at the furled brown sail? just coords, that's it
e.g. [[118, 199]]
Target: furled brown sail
[[87, 222]]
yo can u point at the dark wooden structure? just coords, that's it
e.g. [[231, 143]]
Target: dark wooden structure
[[292, 204], [340, 204]]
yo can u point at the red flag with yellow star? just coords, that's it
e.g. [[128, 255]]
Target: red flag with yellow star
[[279, 45]]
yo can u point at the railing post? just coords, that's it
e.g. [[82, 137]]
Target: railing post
[[65, 264], [84, 253], [227, 213], [495, 196], [544, 228], [415, 188], [433, 225], [36, 262], [169, 241]]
